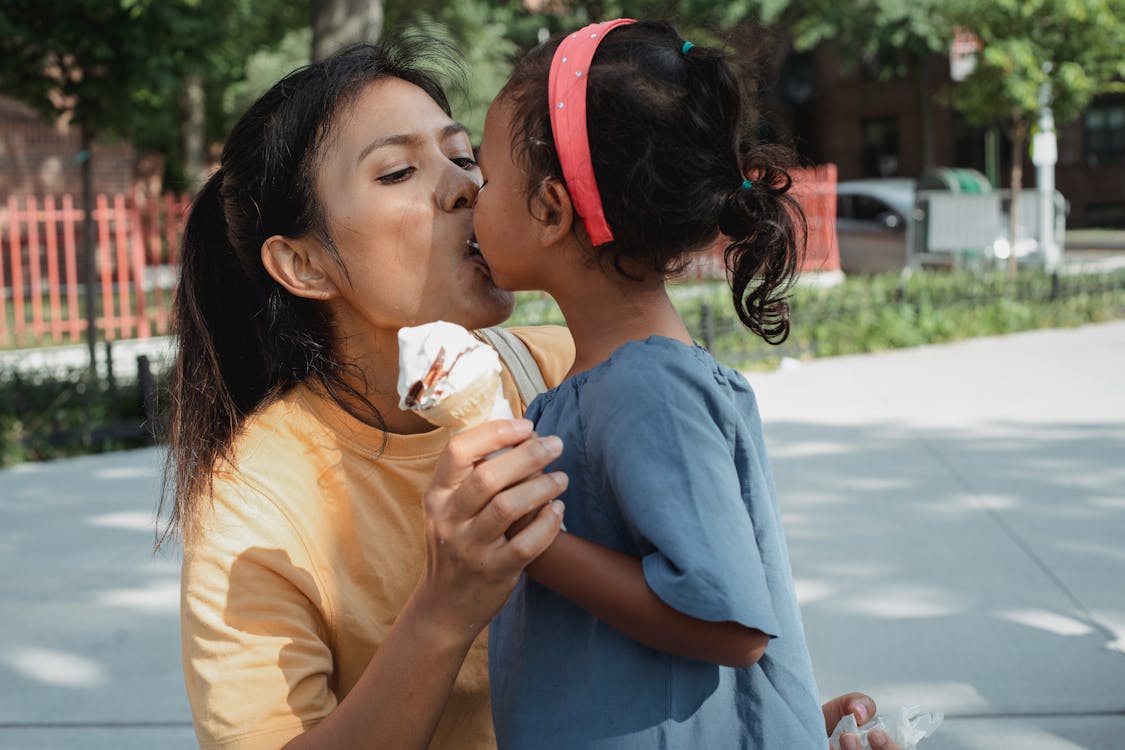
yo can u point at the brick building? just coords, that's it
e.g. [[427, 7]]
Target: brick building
[[38, 157], [871, 128]]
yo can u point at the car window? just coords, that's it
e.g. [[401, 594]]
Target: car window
[[867, 208], [843, 207]]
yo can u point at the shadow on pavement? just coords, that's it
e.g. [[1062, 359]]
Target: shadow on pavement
[[975, 572]]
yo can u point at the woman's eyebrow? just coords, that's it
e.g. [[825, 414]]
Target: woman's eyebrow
[[452, 129], [410, 139]]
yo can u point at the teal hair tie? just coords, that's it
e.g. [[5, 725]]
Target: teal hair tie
[[686, 47], [747, 184]]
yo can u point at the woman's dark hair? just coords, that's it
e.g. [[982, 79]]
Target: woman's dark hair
[[670, 149], [243, 339]]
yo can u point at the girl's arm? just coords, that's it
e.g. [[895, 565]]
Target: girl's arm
[[470, 571], [611, 586]]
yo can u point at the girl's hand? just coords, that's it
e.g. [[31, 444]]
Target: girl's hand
[[863, 706], [471, 566]]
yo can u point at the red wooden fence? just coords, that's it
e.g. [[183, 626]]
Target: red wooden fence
[[42, 277], [42, 281], [815, 189]]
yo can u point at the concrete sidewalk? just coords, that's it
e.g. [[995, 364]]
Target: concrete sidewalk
[[956, 520]]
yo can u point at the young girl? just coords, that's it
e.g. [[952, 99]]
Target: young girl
[[666, 617]]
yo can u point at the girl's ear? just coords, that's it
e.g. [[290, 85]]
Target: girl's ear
[[556, 214], [298, 265]]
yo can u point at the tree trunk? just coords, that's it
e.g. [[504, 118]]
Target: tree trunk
[[925, 115], [1019, 139], [194, 136], [340, 23], [88, 251]]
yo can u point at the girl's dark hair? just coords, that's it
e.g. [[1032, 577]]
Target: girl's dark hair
[[670, 149], [243, 339]]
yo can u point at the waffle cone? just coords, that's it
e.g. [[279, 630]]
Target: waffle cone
[[468, 406]]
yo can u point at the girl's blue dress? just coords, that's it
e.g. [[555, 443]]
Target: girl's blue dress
[[667, 463]]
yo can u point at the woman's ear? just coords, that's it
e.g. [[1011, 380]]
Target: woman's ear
[[298, 265], [556, 212]]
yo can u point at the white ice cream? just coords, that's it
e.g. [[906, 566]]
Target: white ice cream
[[463, 359]]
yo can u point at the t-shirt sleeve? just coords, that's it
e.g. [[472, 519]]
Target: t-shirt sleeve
[[256, 661], [655, 426], [552, 347]]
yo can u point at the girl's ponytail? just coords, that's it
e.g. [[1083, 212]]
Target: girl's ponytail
[[767, 229]]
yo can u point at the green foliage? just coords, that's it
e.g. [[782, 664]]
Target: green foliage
[[261, 70], [116, 67], [1075, 45], [890, 36], [52, 416], [482, 32], [108, 65], [879, 313]]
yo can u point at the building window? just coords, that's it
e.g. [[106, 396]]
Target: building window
[[1104, 126], [880, 147]]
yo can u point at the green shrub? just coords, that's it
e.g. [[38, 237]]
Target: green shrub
[[878, 313], [47, 416], [50, 416]]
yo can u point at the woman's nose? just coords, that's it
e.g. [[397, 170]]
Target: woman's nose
[[459, 188]]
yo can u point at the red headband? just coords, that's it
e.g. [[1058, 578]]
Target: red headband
[[567, 93]]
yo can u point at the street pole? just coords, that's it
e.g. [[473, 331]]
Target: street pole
[[1044, 155], [88, 255]]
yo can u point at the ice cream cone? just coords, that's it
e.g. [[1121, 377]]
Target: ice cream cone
[[479, 401]]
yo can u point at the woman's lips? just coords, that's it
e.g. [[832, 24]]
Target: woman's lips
[[475, 254]]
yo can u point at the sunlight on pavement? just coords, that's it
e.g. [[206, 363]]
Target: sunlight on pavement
[[810, 590], [935, 695], [55, 667], [1111, 503], [975, 502], [985, 737], [1052, 622], [125, 472], [809, 448], [156, 598], [1114, 621], [899, 602], [877, 484], [130, 520]]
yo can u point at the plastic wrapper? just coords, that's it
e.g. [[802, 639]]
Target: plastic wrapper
[[907, 727]]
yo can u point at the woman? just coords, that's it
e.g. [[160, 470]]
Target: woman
[[341, 557]]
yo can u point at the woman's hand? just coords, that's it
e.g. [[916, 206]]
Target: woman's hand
[[471, 566], [863, 707]]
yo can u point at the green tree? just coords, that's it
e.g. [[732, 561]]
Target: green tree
[[107, 67], [482, 34], [237, 43], [1074, 47], [340, 23]]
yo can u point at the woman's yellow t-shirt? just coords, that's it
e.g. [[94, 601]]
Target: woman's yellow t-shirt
[[312, 547]]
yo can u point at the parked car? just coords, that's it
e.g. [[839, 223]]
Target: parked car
[[876, 219], [872, 221]]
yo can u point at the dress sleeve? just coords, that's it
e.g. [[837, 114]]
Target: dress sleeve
[[656, 429], [256, 659]]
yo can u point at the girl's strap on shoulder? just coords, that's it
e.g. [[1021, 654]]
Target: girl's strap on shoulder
[[523, 367]]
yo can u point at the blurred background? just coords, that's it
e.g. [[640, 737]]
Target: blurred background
[[954, 513], [961, 164]]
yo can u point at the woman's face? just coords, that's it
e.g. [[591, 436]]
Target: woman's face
[[397, 182]]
